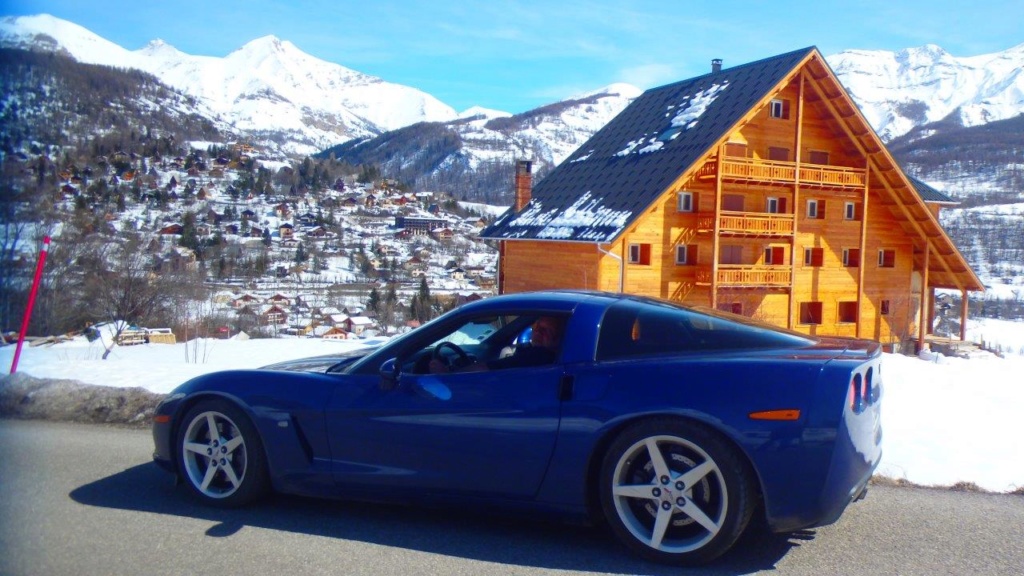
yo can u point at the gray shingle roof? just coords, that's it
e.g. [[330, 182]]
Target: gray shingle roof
[[606, 184], [929, 194]]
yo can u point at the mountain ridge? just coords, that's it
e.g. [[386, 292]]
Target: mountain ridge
[[266, 86], [896, 90], [271, 93]]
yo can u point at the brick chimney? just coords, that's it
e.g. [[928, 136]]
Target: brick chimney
[[524, 184], [716, 65]]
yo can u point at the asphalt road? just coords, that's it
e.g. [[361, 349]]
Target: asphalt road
[[82, 499]]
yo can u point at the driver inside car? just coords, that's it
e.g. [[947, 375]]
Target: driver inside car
[[545, 342]]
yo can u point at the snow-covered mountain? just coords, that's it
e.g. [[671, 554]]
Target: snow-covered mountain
[[548, 134], [268, 89], [473, 157], [898, 91]]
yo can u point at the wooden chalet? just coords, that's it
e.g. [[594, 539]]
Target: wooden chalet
[[759, 189]]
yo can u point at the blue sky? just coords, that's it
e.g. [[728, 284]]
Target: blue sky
[[516, 55]]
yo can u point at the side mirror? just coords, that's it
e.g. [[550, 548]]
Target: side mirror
[[390, 371]]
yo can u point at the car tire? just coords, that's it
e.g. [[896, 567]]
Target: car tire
[[675, 492], [227, 467]]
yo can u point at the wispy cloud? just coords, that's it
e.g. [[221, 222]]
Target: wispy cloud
[[649, 75]]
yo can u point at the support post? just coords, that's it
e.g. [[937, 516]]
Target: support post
[[31, 302]]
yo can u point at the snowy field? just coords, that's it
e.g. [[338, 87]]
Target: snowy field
[[945, 420]]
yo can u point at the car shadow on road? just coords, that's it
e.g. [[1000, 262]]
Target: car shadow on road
[[460, 533]]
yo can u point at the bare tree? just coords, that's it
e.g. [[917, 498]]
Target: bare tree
[[123, 287]]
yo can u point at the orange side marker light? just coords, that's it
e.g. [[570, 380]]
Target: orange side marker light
[[789, 414]]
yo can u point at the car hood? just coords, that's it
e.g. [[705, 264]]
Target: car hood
[[320, 364]]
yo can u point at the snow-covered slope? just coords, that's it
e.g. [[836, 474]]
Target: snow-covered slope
[[548, 134], [268, 87], [900, 90]]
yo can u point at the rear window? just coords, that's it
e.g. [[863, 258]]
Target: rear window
[[644, 328]]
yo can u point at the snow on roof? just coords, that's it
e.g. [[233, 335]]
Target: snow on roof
[[586, 212], [687, 114]]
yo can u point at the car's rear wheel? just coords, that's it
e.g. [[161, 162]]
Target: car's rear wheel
[[675, 492], [220, 454]]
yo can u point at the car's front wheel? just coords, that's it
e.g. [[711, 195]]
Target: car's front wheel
[[675, 492], [220, 454]]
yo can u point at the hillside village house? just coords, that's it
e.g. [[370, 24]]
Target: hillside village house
[[759, 189]]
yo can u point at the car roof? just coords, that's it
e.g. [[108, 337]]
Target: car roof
[[554, 300]]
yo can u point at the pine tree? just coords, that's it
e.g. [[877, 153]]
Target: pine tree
[[373, 302]]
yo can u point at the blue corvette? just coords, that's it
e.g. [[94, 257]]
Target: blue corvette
[[672, 425]]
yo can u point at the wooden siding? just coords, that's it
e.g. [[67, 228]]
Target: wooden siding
[[545, 265]]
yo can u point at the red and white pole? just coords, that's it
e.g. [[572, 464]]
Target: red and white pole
[[31, 302]]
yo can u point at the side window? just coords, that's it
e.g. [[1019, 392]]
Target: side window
[[686, 254], [475, 331], [851, 257], [492, 343], [810, 312], [779, 108], [686, 202], [815, 209], [886, 258], [814, 256], [632, 329], [640, 254]]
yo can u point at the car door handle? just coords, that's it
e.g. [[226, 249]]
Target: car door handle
[[565, 387]]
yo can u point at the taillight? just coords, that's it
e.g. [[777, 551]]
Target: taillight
[[856, 393]]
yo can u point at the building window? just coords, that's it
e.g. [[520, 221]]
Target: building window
[[775, 205], [810, 312], [778, 153], [885, 307], [686, 202], [730, 255], [732, 202], [818, 157], [851, 257], [851, 211], [847, 312], [640, 254], [686, 255], [816, 209], [779, 108], [813, 256], [774, 256], [886, 258]]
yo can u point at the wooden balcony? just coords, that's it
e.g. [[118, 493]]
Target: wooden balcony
[[747, 223], [747, 276], [736, 169]]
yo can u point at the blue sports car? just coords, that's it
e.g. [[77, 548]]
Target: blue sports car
[[672, 425]]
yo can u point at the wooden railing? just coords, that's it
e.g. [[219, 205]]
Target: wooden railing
[[750, 223], [755, 170], [833, 176], [743, 275]]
